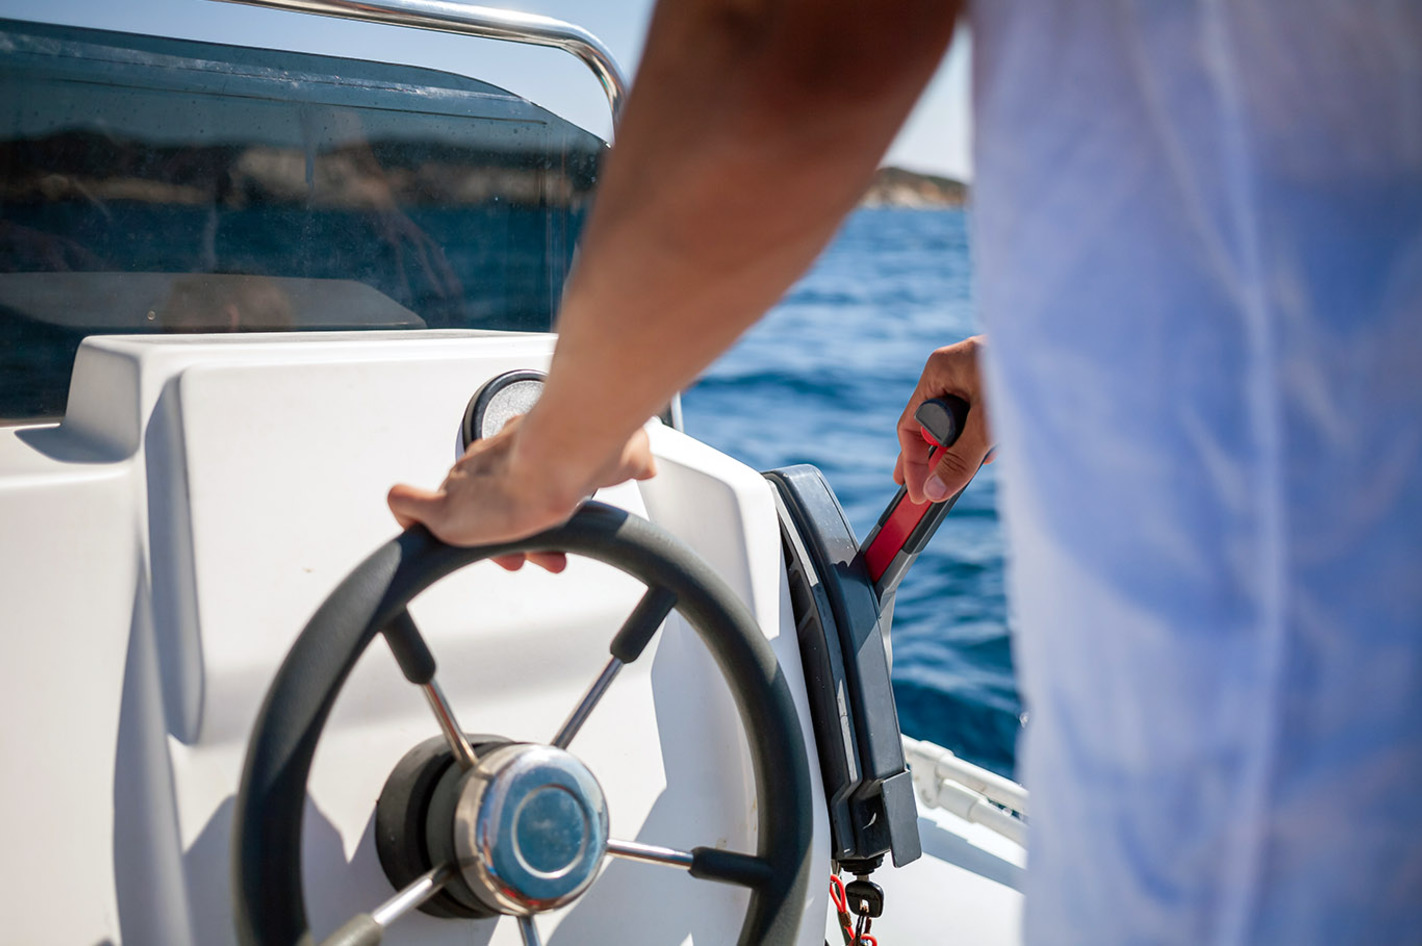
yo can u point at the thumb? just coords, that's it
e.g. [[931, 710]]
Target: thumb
[[955, 467], [410, 504]]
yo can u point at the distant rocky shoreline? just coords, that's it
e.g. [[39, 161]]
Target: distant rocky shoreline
[[896, 187], [86, 168]]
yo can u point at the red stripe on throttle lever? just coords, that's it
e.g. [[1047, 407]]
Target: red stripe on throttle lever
[[892, 535]]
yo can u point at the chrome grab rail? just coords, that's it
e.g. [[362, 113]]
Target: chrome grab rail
[[485, 22]]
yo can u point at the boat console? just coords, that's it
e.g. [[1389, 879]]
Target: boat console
[[246, 292]]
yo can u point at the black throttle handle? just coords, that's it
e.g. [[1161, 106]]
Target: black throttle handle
[[942, 419]]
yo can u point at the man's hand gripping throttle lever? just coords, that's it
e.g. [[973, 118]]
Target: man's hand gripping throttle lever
[[906, 526]]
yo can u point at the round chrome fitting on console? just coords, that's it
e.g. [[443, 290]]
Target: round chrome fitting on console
[[497, 402], [530, 828]]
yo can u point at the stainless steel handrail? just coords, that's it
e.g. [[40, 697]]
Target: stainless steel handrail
[[485, 22]]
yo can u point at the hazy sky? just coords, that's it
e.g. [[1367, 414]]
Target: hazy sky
[[935, 139]]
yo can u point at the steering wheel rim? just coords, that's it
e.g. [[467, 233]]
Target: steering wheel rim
[[269, 904]]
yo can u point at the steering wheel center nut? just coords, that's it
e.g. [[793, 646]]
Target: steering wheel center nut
[[530, 828]]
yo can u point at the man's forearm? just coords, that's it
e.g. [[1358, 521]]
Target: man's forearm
[[753, 128]]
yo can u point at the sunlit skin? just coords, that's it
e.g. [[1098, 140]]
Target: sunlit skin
[[950, 370], [753, 128]]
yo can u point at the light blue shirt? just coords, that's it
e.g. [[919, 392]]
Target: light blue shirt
[[1198, 233]]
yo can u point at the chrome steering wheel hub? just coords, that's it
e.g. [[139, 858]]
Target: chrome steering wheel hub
[[530, 828]]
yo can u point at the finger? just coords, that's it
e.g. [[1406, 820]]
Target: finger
[[899, 470], [955, 467], [636, 461], [639, 456], [633, 462], [553, 562], [412, 505], [913, 454]]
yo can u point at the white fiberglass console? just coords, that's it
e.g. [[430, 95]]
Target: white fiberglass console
[[167, 541]]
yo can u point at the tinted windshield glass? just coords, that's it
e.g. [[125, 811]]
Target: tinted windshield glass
[[151, 185]]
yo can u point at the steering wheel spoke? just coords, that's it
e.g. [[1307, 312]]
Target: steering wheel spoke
[[367, 929], [632, 638], [637, 631], [529, 931], [449, 726], [649, 853], [587, 704], [703, 863], [413, 655]]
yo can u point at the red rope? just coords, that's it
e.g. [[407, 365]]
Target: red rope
[[841, 906]]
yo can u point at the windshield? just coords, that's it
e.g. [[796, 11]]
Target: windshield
[[154, 185]]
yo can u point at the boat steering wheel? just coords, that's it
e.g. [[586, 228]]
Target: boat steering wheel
[[482, 826]]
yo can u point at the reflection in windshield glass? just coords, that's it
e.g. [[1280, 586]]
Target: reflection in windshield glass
[[457, 202]]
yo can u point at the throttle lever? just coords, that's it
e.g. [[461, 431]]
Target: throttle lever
[[905, 526]]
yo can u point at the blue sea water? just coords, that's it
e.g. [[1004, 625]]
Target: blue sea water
[[822, 380]]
